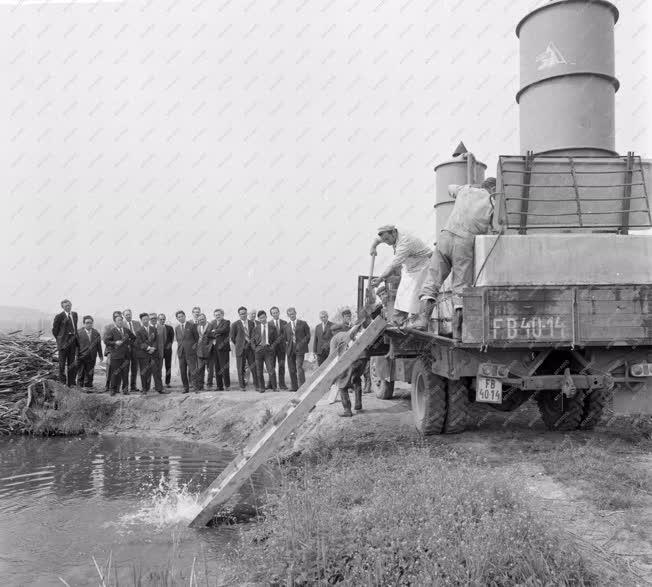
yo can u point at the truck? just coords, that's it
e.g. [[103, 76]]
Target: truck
[[561, 305]]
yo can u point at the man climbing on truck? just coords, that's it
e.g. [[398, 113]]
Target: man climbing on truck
[[411, 256], [454, 251]]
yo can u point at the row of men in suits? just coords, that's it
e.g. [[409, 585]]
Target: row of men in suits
[[203, 346]]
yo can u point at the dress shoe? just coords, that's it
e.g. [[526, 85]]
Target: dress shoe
[[260, 390], [125, 392], [167, 385], [134, 389], [219, 389], [186, 391], [283, 387], [161, 391]]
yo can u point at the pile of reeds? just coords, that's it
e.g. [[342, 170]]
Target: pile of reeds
[[25, 361]]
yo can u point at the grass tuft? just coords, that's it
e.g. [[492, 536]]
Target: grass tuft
[[408, 517]]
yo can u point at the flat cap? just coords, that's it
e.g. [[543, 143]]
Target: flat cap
[[386, 228]]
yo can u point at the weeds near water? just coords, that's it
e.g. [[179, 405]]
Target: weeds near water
[[410, 517]]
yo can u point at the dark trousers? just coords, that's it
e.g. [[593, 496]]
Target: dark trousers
[[203, 365], [67, 366], [279, 356], [188, 368], [86, 371], [119, 374], [133, 361], [150, 367], [167, 359], [246, 358], [322, 356], [218, 365], [295, 365], [265, 356]]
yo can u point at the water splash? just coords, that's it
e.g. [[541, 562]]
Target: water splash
[[166, 504]]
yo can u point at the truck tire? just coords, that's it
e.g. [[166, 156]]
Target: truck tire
[[383, 388], [595, 403], [458, 406], [559, 412], [428, 399], [515, 399]]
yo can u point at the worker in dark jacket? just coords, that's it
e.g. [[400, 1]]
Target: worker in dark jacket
[[343, 334], [64, 329], [90, 347]]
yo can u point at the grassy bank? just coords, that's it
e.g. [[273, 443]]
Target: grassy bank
[[405, 516]]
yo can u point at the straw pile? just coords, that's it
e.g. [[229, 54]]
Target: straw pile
[[25, 361]]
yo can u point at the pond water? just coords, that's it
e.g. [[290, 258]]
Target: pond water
[[67, 501]]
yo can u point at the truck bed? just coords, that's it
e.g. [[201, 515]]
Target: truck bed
[[567, 316]]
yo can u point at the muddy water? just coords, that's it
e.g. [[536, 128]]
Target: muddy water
[[64, 501]]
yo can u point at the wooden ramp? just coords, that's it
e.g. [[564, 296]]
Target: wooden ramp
[[293, 413]]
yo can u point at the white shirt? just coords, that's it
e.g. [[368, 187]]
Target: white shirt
[[472, 211]]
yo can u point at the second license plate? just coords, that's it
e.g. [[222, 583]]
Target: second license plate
[[489, 390]]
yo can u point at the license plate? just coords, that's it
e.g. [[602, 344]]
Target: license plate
[[489, 390]]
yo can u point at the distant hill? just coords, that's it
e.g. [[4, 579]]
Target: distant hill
[[30, 320]]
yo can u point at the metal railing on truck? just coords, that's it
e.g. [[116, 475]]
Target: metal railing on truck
[[560, 192]]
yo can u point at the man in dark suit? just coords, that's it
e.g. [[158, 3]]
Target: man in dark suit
[[278, 347], [161, 337], [64, 329], [118, 340], [167, 349], [323, 335], [297, 338], [133, 326], [147, 351], [219, 353], [206, 337], [242, 338], [264, 337], [187, 339], [90, 347]]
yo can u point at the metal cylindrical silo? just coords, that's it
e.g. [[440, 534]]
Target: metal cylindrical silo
[[568, 84], [459, 170]]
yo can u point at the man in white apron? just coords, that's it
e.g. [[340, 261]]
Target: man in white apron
[[454, 254], [412, 255]]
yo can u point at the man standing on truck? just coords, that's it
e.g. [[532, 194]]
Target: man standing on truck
[[411, 255], [454, 252]]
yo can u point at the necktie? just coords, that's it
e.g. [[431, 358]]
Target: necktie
[[264, 334], [246, 331], [294, 337], [121, 333]]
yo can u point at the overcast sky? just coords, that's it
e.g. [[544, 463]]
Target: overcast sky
[[164, 154]]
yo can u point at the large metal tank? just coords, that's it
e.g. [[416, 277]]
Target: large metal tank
[[460, 170], [568, 84]]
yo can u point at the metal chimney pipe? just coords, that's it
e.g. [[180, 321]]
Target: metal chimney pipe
[[568, 84]]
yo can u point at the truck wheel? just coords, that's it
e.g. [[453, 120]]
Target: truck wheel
[[512, 400], [559, 412], [457, 412], [428, 399], [595, 403], [383, 387]]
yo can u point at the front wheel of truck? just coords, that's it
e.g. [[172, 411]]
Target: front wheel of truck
[[559, 412], [428, 399]]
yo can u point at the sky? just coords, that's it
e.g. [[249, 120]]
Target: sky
[[163, 154]]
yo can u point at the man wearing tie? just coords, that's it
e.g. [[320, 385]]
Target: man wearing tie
[[90, 347], [278, 348], [187, 339], [133, 326], [204, 346], [161, 338], [323, 335], [297, 337], [264, 337], [195, 315], [147, 352], [241, 336], [219, 354], [167, 348], [64, 329], [118, 339]]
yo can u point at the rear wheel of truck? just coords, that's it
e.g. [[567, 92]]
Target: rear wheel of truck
[[383, 388], [457, 407], [428, 399], [595, 402], [559, 412]]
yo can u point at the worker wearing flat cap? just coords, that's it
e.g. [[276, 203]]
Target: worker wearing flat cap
[[412, 256], [454, 253]]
